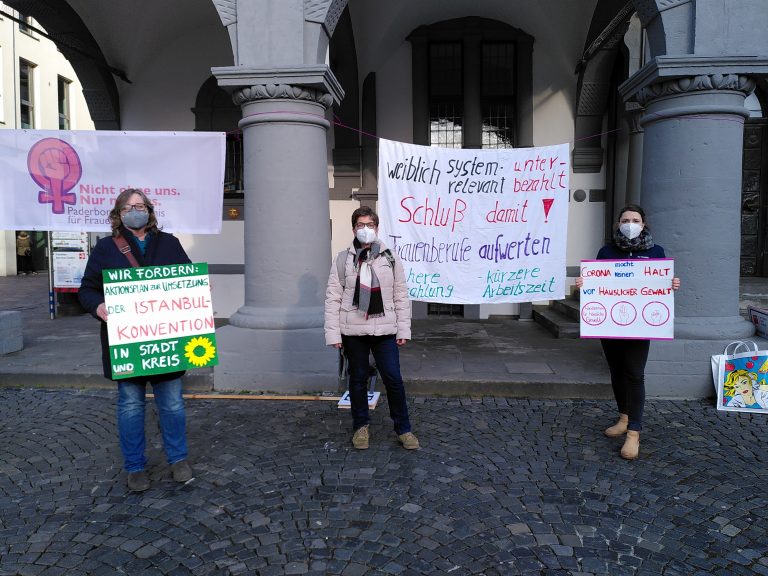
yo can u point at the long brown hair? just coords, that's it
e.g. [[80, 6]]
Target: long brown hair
[[122, 199]]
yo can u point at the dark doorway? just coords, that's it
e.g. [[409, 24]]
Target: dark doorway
[[754, 199]]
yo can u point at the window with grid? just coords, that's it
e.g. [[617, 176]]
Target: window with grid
[[63, 95], [446, 119], [24, 25], [446, 107], [233, 169], [26, 94], [498, 95]]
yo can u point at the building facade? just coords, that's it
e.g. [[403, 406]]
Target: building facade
[[652, 95], [40, 90]]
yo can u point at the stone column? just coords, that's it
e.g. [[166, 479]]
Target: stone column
[[691, 186], [635, 155], [691, 182], [275, 340]]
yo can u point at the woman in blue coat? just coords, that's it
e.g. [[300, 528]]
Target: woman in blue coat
[[627, 358], [135, 231]]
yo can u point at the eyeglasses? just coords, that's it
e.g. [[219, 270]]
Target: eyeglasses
[[361, 225], [141, 207]]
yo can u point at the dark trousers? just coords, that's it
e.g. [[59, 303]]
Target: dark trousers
[[24, 264], [626, 361], [387, 357]]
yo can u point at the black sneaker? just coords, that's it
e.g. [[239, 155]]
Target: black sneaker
[[181, 471], [138, 481]]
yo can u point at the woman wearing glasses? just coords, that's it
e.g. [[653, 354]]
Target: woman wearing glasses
[[137, 241], [367, 311]]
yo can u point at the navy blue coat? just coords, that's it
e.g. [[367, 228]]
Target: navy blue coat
[[162, 249], [611, 252]]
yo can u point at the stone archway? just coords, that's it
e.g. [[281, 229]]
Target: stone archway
[[668, 24], [609, 24], [66, 29]]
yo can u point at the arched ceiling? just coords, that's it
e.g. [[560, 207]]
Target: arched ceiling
[[109, 43]]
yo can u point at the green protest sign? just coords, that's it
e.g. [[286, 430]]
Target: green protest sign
[[160, 319]]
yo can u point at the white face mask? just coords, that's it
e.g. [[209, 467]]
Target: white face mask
[[631, 229], [365, 235]]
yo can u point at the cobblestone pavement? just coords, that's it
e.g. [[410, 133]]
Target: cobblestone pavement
[[499, 487]]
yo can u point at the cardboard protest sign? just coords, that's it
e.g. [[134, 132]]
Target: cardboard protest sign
[[476, 226], [160, 319], [759, 318], [627, 299]]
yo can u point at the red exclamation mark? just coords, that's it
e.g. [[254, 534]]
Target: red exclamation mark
[[547, 205]]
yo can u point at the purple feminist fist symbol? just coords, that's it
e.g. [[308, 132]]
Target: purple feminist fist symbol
[[55, 167]]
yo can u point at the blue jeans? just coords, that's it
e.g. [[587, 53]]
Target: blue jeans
[[626, 362], [131, 404], [387, 356]]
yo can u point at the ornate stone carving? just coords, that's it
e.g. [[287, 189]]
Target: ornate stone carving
[[227, 10], [701, 83], [593, 98], [281, 91], [326, 12]]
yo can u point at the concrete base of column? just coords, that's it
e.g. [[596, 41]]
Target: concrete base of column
[[713, 327], [682, 369], [281, 361]]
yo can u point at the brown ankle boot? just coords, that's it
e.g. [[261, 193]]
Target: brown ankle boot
[[631, 448], [619, 428]]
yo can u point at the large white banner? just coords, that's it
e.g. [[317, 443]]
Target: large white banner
[[476, 226], [68, 180]]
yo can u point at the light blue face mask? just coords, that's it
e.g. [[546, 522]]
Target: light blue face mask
[[135, 220]]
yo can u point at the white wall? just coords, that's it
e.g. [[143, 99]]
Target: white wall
[[559, 29], [50, 64]]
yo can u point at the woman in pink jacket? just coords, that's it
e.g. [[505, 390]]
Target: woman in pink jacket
[[367, 311]]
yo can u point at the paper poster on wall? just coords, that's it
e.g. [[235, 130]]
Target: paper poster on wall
[[476, 226], [69, 252], [627, 299], [160, 319]]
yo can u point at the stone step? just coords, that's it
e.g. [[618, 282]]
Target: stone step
[[560, 325], [568, 307]]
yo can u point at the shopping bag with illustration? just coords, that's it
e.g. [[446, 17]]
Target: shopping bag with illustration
[[741, 378]]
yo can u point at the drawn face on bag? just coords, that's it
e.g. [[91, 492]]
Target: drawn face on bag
[[743, 386]]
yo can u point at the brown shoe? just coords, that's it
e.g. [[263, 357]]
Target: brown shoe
[[360, 438], [631, 448], [618, 429], [181, 471], [409, 441], [138, 481]]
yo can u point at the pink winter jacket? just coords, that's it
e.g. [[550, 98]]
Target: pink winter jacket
[[341, 317]]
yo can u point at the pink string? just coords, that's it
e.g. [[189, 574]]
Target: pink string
[[337, 122]]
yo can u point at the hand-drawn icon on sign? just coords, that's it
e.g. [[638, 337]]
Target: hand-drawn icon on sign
[[593, 313], [623, 313], [54, 166], [655, 313]]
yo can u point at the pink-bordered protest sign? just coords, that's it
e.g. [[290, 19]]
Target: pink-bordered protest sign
[[627, 299]]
